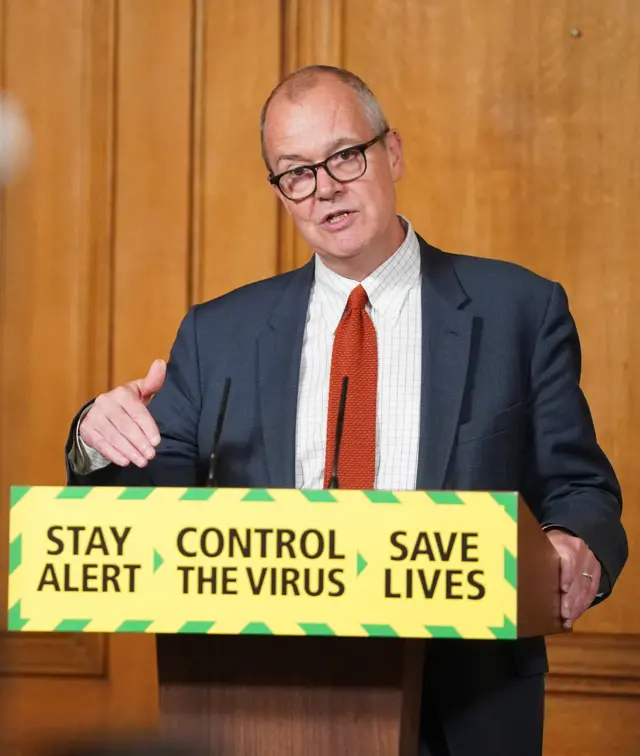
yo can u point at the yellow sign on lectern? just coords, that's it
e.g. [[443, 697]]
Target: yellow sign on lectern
[[284, 562]]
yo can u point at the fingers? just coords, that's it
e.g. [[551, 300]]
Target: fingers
[[569, 605], [120, 427], [576, 586], [584, 600], [582, 589], [127, 437], [589, 586], [138, 420], [563, 544], [570, 550], [108, 451], [113, 444], [567, 568]]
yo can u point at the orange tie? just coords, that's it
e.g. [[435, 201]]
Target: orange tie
[[355, 354]]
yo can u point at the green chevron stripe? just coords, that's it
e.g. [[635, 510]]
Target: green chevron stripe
[[380, 631], [257, 494], [135, 494], [381, 497], [256, 628], [509, 502], [14, 616], [196, 627], [313, 628], [445, 497], [197, 494], [134, 626], [158, 561], [442, 631], [361, 564], [506, 632], [74, 492], [17, 493], [510, 568], [318, 496], [71, 625], [15, 553]]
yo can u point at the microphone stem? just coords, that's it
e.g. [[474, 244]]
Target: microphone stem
[[213, 457]]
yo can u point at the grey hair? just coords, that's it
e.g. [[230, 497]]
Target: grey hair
[[301, 81]]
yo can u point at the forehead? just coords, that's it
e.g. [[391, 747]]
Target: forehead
[[309, 124]]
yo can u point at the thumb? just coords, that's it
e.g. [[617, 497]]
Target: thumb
[[154, 379]]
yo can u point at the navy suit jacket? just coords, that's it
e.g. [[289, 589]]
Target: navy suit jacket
[[501, 405]]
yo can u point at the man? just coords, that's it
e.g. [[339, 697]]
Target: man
[[463, 374]]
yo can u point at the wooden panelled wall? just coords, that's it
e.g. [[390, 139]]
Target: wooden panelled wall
[[146, 192]]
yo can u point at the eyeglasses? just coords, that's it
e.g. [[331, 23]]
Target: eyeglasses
[[348, 164]]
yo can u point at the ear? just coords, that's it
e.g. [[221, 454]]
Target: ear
[[395, 154]]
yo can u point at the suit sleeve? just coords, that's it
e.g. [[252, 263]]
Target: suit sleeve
[[176, 410], [569, 478]]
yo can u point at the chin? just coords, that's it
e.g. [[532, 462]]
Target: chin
[[347, 247]]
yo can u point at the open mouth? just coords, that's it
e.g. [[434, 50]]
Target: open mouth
[[336, 219]]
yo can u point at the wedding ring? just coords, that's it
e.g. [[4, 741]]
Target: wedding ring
[[587, 575]]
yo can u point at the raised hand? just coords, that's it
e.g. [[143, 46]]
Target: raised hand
[[119, 425]]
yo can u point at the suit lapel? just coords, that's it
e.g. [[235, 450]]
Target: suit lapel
[[279, 356], [446, 342]]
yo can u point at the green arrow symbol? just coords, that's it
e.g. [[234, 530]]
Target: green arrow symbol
[[158, 561], [16, 620], [362, 564]]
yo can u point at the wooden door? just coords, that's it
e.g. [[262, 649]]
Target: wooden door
[[520, 123], [144, 167]]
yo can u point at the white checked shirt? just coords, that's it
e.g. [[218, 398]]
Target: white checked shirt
[[395, 308]]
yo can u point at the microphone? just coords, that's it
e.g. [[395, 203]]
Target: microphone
[[213, 457], [333, 482]]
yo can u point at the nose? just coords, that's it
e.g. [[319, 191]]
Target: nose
[[327, 187]]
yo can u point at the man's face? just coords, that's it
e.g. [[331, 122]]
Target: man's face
[[341, 221]]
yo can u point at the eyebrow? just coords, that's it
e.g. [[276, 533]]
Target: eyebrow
[[333, 147]]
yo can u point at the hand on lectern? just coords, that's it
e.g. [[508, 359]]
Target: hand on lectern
[[580, 574], [120, 426]]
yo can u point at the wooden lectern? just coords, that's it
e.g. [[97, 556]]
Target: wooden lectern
[[325, 696], [245, 672]]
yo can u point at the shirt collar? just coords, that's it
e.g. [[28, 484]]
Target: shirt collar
[[387, 286]]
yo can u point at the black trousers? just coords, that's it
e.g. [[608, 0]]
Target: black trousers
[[478, 702]]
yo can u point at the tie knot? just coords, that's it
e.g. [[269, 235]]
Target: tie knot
[[357, 299]]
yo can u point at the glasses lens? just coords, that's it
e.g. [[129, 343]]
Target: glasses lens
[[347, 165], [298, 183]]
